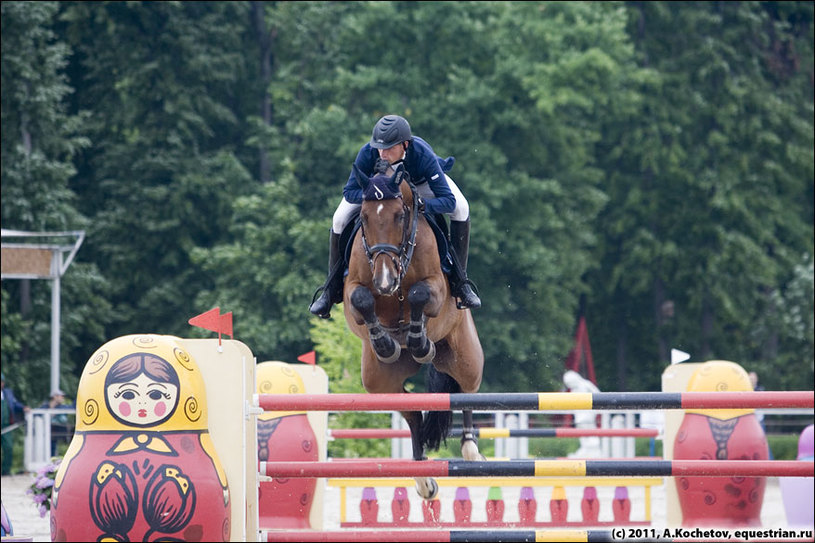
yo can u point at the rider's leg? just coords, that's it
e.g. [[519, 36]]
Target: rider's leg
[[460, 239], [463, 288], [331, 292], [332, 288]]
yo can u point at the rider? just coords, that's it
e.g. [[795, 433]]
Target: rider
[[393, 142]]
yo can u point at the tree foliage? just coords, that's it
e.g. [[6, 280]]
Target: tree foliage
[[654, 158]]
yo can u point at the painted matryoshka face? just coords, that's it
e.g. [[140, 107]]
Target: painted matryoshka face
[[142, 401]]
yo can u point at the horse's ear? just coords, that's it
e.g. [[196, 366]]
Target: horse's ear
[[398, 174], [362, 180]]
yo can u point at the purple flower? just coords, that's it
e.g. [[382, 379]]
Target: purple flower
[[45, 482], [40, 490]]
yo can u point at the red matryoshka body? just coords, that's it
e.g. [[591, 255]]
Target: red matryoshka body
[[141, 466], [730, 434], [155, 486], [284, 436]]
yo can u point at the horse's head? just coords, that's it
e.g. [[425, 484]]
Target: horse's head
[[387, 229]]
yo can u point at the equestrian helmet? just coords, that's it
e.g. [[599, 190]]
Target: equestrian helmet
[[390, 130]]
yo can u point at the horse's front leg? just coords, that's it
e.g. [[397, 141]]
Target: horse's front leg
[[427, 487], [421, 348], [386, 348]]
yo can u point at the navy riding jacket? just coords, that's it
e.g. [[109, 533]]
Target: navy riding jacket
[[423, 165]]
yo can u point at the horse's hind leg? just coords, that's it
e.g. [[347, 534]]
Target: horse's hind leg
[[421, 348], [427, 487], [386, 348], [469, 443]]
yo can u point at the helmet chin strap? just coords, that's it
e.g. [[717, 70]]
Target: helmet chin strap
[[392, 167], [404, 153]]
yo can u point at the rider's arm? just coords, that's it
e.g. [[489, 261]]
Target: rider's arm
[[365, 161], [429, 169]]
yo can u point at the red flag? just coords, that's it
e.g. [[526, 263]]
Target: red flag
[[209, 320], [226, 324], [309, 358], [213, 320]]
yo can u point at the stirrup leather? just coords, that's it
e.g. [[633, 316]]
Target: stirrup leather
[[318, 293]]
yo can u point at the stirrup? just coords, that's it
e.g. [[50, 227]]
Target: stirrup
[[317, 294], [459, 299], [323, 290]]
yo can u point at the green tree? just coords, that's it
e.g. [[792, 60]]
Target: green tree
[[161, 79], [563, 67], [40, 139], [708, 183], [260, 275], [653, 157]]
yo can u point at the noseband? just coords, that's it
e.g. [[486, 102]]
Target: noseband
[[401, 255]]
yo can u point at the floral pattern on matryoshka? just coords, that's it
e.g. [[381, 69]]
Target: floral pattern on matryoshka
[[142, 465]]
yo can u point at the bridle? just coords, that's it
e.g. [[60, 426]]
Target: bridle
[[401, 255]]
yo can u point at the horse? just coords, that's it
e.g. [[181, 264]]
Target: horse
[[398, 301]]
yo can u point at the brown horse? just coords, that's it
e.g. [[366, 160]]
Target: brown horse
[[398, 301]]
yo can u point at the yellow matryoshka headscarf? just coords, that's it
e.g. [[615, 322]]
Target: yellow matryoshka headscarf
[[163, 360], [278, 378], [720, 376]]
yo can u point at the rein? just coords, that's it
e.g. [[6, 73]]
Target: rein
[[402, 255]]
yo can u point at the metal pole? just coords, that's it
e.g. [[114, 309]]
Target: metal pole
[[55, 324]]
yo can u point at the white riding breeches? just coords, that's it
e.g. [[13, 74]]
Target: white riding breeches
[[346, 209]]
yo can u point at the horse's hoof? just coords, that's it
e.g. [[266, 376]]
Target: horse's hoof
[[469, 450], [431, 354], [428, 491], [397, 352]]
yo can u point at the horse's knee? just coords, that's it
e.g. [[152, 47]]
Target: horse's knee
[[419, 294], [363, 301]]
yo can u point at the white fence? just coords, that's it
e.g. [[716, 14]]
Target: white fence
[[38, 438]]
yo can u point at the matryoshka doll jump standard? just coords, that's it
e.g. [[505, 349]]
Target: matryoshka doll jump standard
[[284, 435], [141, 465], [720, 434]]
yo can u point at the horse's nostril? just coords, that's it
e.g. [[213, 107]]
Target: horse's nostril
[[385, 281], [385, 285]]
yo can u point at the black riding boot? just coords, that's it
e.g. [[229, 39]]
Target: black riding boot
[[332, 289], [460, 238]]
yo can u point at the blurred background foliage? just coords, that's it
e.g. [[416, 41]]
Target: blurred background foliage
[[652, 158]]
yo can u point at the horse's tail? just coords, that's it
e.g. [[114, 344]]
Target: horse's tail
[[436, 424]]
